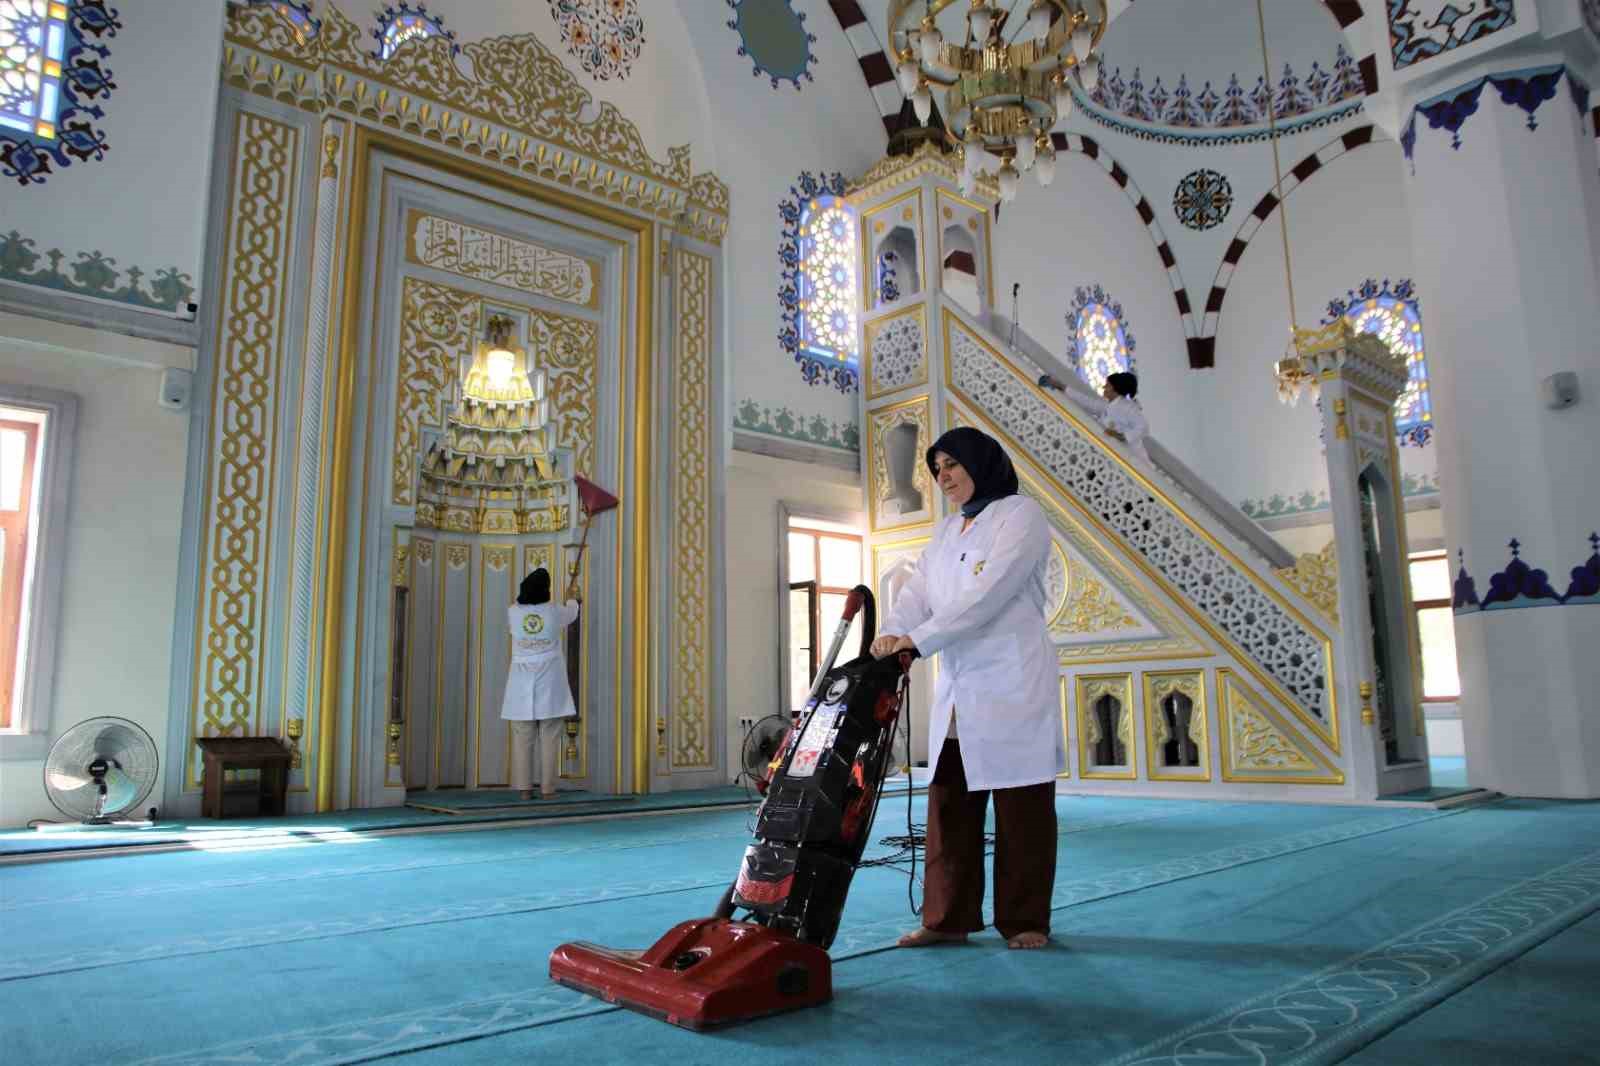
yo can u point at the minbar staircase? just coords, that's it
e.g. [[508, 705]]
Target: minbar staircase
[[1197, 656]]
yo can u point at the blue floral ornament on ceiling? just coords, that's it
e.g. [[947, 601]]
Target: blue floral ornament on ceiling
[[773, 35], [405, 22], [1202, 199], [51, 85], [604, 36]]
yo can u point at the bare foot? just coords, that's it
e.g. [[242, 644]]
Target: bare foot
[[1028, 941], [924, 937], [547, 795], [525, 794]]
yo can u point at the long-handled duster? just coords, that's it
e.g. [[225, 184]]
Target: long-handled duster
[[593, 500]]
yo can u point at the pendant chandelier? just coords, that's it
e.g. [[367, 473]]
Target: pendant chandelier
[[1004, 70]]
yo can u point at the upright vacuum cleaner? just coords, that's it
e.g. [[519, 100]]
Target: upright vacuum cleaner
[[821, 795]]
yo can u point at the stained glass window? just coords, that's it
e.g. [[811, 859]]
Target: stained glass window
[[828, 290], [297, 13], [396, 26], [33, 43], [1102, 348], [1398, 325]]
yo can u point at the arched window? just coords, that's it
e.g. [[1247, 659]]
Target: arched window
[[402, 23], [820, 294], [1099, 342], [1391, 313], [297, 13]]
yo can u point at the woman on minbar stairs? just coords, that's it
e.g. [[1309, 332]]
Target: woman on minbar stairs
[[977, 600]]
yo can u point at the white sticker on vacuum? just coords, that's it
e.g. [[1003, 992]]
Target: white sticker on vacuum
[[813, 742]]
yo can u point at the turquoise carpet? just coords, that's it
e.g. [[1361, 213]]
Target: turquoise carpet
[[1188, 933], [424, 809]]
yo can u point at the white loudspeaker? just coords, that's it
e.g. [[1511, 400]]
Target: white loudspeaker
[[1560, 390], [175, 385]]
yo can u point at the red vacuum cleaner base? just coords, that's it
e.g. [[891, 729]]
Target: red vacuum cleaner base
[[702, 973]]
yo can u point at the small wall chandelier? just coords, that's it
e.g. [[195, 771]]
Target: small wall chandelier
[[1005, 83]]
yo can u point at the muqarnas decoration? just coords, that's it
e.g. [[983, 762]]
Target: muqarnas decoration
[[52, 82], [1521, 585], [773, 36], [1392, 315], [1203, 199], [1422, 29], [817, 290], [604, 36], [405, 22], [1235, 106]]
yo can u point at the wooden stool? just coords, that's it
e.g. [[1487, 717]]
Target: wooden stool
[[265, 754]]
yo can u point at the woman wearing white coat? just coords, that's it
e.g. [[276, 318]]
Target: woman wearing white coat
[[977, 600], [536, 684]]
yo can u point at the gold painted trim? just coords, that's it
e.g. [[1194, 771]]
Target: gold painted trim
[[870, 333], [411, 256], [1154, 723], [1331, 775], [1084, 684], [1329, 731], [880, 417], [643, 427], [866, 249], [884, 547]]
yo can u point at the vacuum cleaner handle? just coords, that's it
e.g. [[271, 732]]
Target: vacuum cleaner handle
[[859, 596]]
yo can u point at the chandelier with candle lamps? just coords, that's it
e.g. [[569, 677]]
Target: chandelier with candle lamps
[[1004, 73]]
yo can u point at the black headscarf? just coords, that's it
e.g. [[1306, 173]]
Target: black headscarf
[[985, 461], [535, 588]]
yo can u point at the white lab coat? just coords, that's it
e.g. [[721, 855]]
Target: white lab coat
[[536, 684], [977, 600]]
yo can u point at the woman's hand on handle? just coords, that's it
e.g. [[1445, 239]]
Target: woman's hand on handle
[[890, 644]]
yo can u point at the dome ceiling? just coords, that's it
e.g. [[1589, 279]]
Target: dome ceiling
[[1213, 40]]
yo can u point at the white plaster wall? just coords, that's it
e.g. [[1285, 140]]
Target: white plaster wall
[[1081, 231], [1346, 224], [121, 563], [144, 204], [756, 486]]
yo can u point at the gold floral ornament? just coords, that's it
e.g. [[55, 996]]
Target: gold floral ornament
[[506, 100]]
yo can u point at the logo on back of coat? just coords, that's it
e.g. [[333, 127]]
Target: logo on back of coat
[[533, 623], [838, 689], [976, 570]]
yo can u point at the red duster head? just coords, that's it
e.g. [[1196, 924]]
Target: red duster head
[[592, 497]]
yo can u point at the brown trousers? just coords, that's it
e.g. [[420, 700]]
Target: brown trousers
[[1024, 853]]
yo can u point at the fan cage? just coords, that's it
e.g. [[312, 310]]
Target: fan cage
[[126, 745]]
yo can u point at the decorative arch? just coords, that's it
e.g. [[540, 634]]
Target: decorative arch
[[1297, 176], [1200, 348], [819, 294]]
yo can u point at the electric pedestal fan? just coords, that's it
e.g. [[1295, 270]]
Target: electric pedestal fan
[[761, 746], [99, 769]]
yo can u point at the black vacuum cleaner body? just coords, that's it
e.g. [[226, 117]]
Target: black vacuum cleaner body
[[821, 797], [821, 794]]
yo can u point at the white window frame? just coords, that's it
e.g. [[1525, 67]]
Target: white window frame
[[787, 511], [28, 735]]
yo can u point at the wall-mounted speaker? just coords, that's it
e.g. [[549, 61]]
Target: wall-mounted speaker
[[175, 386]]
